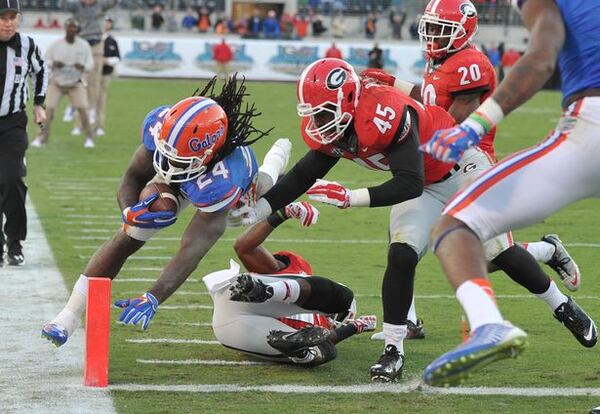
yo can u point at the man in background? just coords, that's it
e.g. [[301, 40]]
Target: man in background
[[222, 55], [19, 57], [111, 58], [69, 58], [90, 15]]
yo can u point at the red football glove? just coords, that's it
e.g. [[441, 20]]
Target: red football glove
[[330, 192], [303, 211], [379, 75]]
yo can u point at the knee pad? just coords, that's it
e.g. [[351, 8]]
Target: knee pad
[[327, 296]]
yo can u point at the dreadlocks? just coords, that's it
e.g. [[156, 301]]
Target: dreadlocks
[[240, 128]]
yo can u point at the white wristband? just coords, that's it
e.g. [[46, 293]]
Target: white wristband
[[490, 109], [404, 86], [360, 198]]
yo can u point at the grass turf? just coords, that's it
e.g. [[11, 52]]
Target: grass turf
[[68, 182]]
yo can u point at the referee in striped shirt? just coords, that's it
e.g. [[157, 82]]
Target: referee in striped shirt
[[19, 58]]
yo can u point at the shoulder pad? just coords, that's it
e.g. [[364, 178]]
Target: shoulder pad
[[151, 126]]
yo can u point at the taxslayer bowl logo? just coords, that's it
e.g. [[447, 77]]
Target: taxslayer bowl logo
[[293, 59], [241, 61], [468, 10], [336, 78], [152, 56]]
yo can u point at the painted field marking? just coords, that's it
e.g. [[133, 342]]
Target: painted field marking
[[193, 324], [175, 307], [413, 386], [172, 341], [36, 377], [146, 280], [198, 362]]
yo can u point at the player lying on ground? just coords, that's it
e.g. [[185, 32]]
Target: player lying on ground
[[280, 311], [381, 128], [458, 78], [199, 147], [527, 187]]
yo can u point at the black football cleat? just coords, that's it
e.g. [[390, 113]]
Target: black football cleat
[[14, 255], [316, 355], [249, 289], [294, 343], [389, 367], [578, 322]]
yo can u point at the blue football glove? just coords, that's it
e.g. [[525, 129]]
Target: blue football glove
[[448, 145], [140, 309], [139, 215]]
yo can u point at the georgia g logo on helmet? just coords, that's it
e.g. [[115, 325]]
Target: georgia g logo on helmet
[[468, 10], [335, 78]]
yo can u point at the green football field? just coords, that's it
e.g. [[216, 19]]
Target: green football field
[[74, 191]]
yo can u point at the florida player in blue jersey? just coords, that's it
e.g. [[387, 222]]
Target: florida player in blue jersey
[[200, 147], [527, 187]]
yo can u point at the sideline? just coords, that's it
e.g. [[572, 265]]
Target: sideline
[[36, 377]]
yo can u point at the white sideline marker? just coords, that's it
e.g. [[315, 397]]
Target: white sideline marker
[[36, 377], [172, 341], [414, 386], [198, 362]]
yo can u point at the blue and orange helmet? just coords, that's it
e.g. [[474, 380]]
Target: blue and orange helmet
[[192, 133]]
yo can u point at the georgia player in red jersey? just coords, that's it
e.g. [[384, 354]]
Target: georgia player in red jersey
[[292, 316], [379, 127]]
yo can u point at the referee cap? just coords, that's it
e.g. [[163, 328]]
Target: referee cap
[[10, 5]]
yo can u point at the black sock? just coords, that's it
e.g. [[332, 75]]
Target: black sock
[[522, 267], [398, 283]]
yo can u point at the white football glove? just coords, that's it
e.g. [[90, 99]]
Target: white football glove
[[303, 211]]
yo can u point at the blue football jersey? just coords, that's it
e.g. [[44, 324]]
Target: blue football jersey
[[219, 189], [579, 56]]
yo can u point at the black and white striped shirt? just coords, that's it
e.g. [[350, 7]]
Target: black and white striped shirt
[[20, 58]]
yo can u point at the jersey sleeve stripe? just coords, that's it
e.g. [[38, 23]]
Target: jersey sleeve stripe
[[222, 205]]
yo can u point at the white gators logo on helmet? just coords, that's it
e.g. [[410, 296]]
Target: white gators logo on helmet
[[468, 10], [335, 79]]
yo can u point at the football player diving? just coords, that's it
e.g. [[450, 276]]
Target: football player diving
[[458, 77], [199, 146], [381, 128], [279, 311]]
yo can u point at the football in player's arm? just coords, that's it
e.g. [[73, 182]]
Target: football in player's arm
[[199, 147]]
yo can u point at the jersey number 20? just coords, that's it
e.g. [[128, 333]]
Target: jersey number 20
[[387, 114], [472, 74]]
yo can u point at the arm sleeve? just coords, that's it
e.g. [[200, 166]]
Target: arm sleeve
[[40, 69], [408, 175], [300, 178]]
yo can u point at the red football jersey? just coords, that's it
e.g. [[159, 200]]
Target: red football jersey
[[299, 266], [377, 118], [465, 70]]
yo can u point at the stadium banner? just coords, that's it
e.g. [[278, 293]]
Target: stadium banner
[[176, 56]]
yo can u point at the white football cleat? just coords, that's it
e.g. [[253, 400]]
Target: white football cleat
[[89, 143], [100, 132], [76, 131], [563, 264], [37, 143]]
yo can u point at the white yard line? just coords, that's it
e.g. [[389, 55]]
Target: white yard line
[[172, 341], [177, 307], [36, 377], [414, 386], [146, 280], [198, 362]]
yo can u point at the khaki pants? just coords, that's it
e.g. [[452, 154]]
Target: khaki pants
[[101, 105], [77, 97], [222, 70], [94, 77]]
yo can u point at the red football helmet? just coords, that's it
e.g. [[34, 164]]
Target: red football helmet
[[328, 91], [192, 133], [447, 26]]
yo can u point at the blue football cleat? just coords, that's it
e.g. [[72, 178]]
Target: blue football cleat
[[55, 334], [489, 343]]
